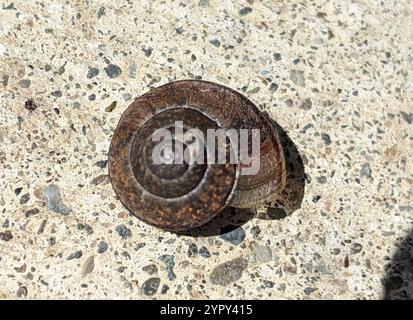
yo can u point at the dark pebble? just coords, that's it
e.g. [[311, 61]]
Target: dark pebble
[[326, 138], [22, 292], [309, 290], [17, 191], [355, 248], [192, 250], [169, 261], [408, 117], [6, 236], [31, 212], [147, 51], [123, 231], [277, 56], [204, 252], [245, 11], [56, 93], [235, 236], [113, 71], [25, 198], [215, 43], [273, 87], [322, 179], [150, 269], [93, 72], [150, 286], [102, 247], [75, 255], [30, 105], [255, 231], [102, 164], [316, 199]]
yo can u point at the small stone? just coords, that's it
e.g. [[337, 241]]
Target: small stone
[[309, 290], [322, 179], [147, 51], [150, 269], [123, 231], [336, 251], [268, 284], [245, 11], [169, 261], [31, 212], [306, 104], [22, 292], [102, 179], [111, 107], [25, 198], [235, 236], [355, 248], [57, 93], [408, 117], [366, 170], [277, 56], [24, 83], [326, 138], [164, 289], [132, 71], [215, 43], [88, 265], [102, 247], [297, 76], [93, 72], [17, 191], [150, 286], [262, 254], [92, 97], [6, 236], [75, 255], [113, 70], [316, 199], [54, 200], [273, 87], [21, 269], [228, 272], [127, 96], [255, 231], [86, 227], [101, 12], [204, 252], [192, 250], [102, 164]]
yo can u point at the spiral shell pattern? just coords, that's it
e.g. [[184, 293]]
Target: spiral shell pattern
[[179, 197]]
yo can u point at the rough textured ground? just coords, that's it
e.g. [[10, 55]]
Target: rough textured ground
[[336, 76]]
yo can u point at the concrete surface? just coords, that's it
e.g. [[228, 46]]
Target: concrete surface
[[336, 76]]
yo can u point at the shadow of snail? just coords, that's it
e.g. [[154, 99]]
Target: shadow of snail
[[200, 199]]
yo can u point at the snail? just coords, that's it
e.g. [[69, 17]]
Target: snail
[[178, 196]]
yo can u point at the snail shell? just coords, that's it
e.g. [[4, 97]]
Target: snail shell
[[179, 197]]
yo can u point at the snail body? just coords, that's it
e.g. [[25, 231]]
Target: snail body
[[182, 196]]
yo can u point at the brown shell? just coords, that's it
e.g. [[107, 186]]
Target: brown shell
[[180, 197]]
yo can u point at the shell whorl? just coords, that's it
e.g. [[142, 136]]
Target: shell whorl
[[179, 197]]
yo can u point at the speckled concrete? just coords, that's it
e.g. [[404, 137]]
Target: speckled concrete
[[336, 76]]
